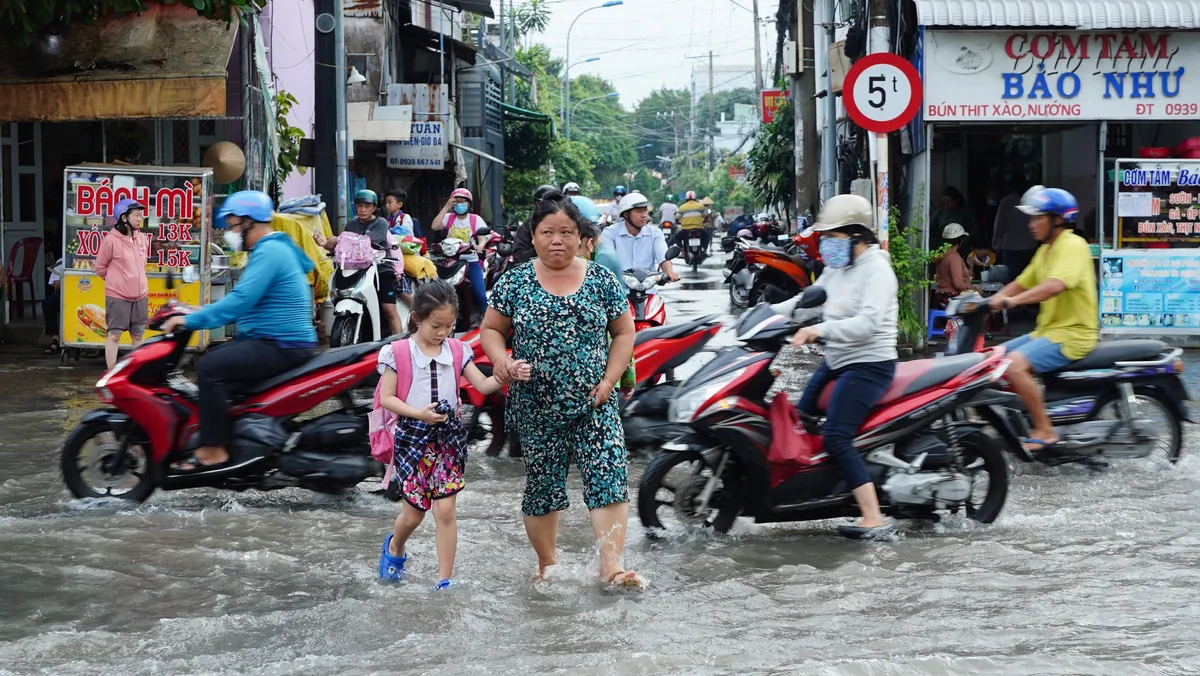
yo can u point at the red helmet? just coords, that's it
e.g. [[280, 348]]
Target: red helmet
[[690, 196]]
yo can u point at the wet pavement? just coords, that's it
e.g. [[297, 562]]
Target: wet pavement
[[1084, 573]]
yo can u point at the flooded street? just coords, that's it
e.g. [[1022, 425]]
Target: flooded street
[[1083, 573]]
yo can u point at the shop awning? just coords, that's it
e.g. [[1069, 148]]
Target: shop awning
[[483, 7], [427, 39], [165, 62], [1078, 14], [478, 153], [524, 115]]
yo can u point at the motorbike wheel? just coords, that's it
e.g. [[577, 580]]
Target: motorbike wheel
[[345, 331], [95, 474], [681, 477], [1152, 405], [983, 456], [739, 296]]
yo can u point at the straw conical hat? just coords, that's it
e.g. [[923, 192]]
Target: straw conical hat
[[227, 161]]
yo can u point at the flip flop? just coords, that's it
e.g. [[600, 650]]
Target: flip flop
[[1040, 445], [391, 568], [53, 348], [882, 533], [196, 466], [631, 580]]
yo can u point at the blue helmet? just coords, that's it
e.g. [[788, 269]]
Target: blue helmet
[[619, 190], [125, 206], [1040, 200], [586, 207], [253, 204]]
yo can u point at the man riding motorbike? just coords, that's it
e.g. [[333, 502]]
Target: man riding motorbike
[[668, 211], [691, 219], [571, 189], [859, 330], [613, 212], [366, 205], [272, 305], [636, 245], [1061, 277]]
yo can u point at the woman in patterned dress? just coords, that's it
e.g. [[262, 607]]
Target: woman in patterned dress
[[561, 310]]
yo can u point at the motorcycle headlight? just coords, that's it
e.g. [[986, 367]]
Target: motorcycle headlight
[[685, 405], [117, 368], [449, 248], [632, 282]]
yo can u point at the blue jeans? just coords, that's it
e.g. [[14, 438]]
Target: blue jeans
[[1043, 355], [858, 388], [478, 286]]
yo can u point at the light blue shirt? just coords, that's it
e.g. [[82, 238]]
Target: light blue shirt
[[647, 250]]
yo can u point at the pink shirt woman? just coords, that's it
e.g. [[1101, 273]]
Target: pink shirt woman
[[121, 263]]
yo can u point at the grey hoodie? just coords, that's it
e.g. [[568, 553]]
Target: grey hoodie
[[860, 310]]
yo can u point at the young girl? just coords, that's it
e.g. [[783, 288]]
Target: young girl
[[430, 453]]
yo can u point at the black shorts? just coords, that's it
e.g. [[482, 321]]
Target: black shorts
[[387, 284]]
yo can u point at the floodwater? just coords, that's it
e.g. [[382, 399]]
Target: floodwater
[[1084, 573]]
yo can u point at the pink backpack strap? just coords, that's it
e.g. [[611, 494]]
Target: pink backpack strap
[[456, 356], [404, 374], [474, 220]]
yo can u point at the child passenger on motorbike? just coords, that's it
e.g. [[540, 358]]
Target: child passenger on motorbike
[[458, 222], [859, 331]]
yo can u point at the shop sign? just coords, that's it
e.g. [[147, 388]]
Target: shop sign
[[174, 209], [1047, 75], [83, 320], [1150, 292], [772, 99], [731, 213], [425, 148], [737, 173], [1157, 204]]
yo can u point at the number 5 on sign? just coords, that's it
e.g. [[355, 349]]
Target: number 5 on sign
[[882, 92]]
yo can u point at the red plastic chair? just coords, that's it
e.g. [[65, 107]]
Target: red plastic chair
[[25, 250]]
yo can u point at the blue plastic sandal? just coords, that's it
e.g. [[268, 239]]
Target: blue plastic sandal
[[391, 568], [444, 584]]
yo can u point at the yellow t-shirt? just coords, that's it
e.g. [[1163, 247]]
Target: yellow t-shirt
[[1072, 318], [691, 215]]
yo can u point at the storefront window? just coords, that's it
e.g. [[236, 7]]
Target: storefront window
[[1157, 204]]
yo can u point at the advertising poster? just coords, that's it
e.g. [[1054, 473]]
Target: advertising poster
[[83, 308], [1150, 292], [1158, 204]]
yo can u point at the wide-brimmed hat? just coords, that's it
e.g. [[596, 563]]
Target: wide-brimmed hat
[[227, 161]]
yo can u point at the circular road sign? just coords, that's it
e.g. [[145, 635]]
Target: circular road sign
[[882, 92]]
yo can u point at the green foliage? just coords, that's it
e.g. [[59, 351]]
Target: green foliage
[[25, 21], [772, 161], [911, 264], [728, 192], [527, 144], [661, 119], [531, 17], [288, 158]]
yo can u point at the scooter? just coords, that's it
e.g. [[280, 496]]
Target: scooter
[[151, 419], [778, 276], [452, 268], [657, 352], [499, 257], [744, 270], [919, 456], [356, 314], [694, 253], [1123, 400]]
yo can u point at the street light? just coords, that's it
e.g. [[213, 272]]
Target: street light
[[567, 98], [590, 98], [562, 97]]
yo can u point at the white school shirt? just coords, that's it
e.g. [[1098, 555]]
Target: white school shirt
[[420, 395]]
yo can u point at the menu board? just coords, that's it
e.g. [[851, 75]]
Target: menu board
[[175, 213], [1157, 204], [1150, 292]]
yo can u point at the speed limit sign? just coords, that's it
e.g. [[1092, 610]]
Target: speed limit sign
[[882, 92]]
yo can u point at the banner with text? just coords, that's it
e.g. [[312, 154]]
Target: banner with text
[[1157, 204], [424, 149], [1150, 292], [772, 99], [1042, 74]]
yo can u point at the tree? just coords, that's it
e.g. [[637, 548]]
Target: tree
[[772, 161], [730, 192], [26, 20], [662, 120], [602, 124]]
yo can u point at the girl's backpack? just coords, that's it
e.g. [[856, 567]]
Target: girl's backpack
[[353, 251], [381, 423], [395, 253]]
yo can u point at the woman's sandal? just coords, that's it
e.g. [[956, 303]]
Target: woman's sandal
[[54, 349], [627, 579]]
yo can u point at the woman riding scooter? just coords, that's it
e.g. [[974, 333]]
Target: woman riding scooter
[[462, 224], [859, 331]]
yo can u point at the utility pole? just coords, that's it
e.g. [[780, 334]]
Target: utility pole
[[758, 81], [691, 118], [712, 120], [879, 41], [829, 137], [325, 114], [804, 107]]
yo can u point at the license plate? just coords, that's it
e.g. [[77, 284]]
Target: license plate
[[695, 241]]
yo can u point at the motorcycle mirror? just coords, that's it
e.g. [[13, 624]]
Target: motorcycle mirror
[[673, 252], [483, 232], [190, 275], [998, 274], [814, 296]]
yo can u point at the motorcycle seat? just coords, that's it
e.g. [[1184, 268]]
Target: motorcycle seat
[[1107, 354], [338, 356], [673, 331], [914, 376]]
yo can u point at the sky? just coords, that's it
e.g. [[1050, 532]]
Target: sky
[[644, 45]]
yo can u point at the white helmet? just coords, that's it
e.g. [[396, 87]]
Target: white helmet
[[632, 201], [843, 211], [571, 188], [690, 196]]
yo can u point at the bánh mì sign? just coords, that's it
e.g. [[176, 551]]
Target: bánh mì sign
[[1042, 74]]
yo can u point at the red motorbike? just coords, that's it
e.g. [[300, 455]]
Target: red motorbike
[[921, 456], [151, 420], [648, 309], [448, 256]]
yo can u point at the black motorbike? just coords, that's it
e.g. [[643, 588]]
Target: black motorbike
[[694, 251], [1123, 400]]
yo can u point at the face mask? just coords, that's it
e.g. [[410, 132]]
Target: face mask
[[835, 252], [233, 240], [461, 208]]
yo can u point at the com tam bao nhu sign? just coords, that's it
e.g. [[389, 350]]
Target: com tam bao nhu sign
[[1032, 74]]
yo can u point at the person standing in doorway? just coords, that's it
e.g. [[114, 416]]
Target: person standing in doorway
[[121, 263], [954, 210], [1012, 238]]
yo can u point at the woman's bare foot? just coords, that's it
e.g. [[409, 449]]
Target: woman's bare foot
[[1039, 440], [543, 569], [626, 578]]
